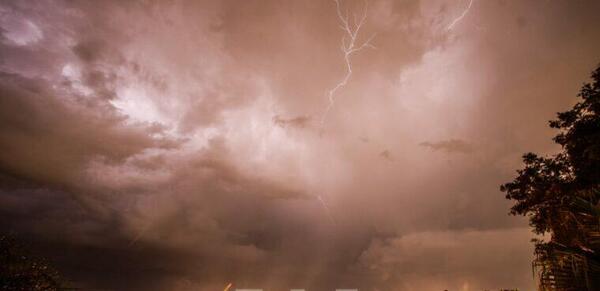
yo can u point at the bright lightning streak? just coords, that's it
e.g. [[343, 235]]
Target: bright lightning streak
[[461, 16], [326, 209], [349, 46]]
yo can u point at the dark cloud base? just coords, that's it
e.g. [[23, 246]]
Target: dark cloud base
[[155, 145]]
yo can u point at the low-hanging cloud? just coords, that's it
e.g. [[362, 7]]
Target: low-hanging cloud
[[297, 122], [449, 146], [171, 145]]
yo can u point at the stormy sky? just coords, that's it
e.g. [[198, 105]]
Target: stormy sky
[[182, 145]]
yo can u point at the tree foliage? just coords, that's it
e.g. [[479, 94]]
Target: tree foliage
[[549, 189], [19, 271], [561, 194]]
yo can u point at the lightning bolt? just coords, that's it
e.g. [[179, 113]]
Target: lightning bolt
[[349, 47], [228, 286], [145, 227], [139, 235], [326, 209], [459, 18]]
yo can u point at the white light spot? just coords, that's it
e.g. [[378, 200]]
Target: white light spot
[[20, 31], [134, 102]]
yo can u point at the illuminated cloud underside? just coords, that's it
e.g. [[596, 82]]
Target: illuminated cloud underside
[[192, 144]]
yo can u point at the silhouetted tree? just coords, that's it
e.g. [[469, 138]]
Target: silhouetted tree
[[19, 271], [561, 194]]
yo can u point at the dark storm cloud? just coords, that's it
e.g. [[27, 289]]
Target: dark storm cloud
[[146, 145], [44, 139], [76, 173], [449, 146], [387, 155], [298, 121]]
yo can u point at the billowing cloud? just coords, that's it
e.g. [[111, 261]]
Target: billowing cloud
[[173, 145]]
